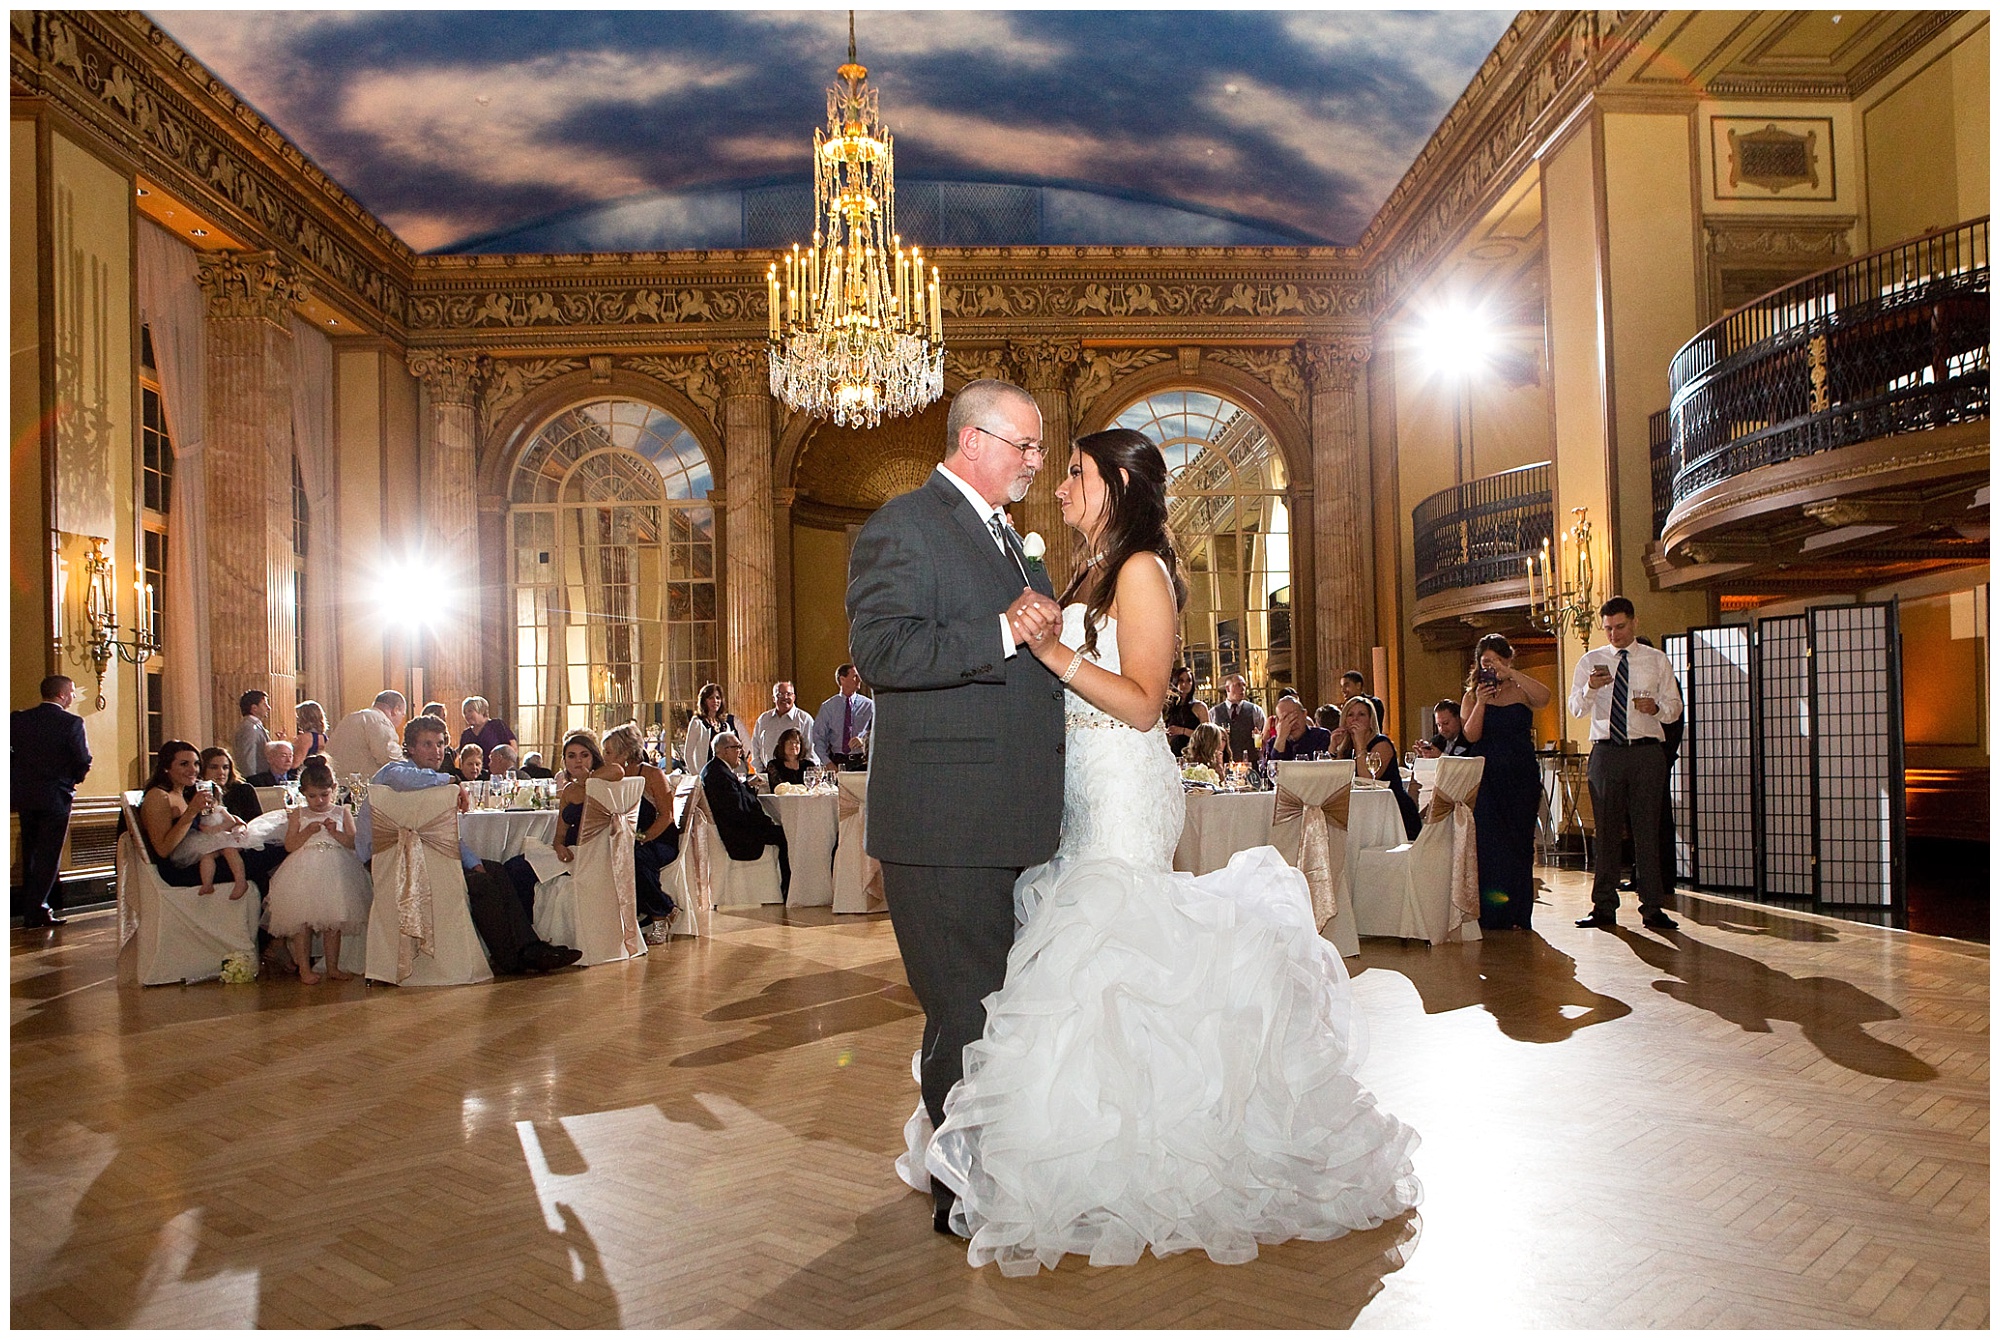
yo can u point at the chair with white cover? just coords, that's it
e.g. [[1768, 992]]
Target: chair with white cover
[[270, 798], [591, 907], [170, 934], [857, 876], [420, 930], [1309, 829], [1428, 889], [712, 877]]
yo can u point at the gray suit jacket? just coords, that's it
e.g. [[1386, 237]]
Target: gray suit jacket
[[966, 765]]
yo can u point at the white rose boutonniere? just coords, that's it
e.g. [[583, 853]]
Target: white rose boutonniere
[[1034, 546]]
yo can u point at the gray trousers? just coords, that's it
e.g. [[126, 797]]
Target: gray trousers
[[954, 926], [1628, 785]]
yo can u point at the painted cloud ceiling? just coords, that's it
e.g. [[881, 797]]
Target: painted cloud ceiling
[[448, 124]]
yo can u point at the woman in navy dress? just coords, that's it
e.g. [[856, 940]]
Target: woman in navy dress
[[1499, 711], [1357, 724]]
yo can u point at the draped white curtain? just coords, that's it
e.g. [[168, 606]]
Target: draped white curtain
[[312, 433], [172, 307]]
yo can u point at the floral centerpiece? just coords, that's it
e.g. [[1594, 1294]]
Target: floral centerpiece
[[1202, 773]]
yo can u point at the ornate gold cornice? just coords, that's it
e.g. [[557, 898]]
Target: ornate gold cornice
[[1044, 362], [1103, 368], [1788, 239], [122, 79], [973, 363], [250, 285], [450, 377], [1276, 368]]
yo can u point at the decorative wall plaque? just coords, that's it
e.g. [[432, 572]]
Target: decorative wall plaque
[[1765, 158]]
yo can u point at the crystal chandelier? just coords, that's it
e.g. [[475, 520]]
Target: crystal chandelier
[[856, 326]]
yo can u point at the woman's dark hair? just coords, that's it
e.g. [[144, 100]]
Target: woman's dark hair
[[316, 774], [778, 755], [701, 699], [214, 752], [1494, 643], [589, 741], [164, 760], [1135, 511]]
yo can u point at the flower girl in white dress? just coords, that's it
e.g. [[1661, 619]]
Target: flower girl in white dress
[[322, 886], [1170, 1063]]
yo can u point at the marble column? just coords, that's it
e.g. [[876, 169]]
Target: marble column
[[249, 476], [749, 562], [448, 468], [1342, 512], [1045, 367]]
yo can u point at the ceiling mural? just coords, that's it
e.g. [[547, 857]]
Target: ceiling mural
[[453, 125]]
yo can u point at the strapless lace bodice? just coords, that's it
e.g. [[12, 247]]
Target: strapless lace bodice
[[1121, 789]]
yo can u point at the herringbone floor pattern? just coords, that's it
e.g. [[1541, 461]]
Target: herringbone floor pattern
[[1761, 1120]]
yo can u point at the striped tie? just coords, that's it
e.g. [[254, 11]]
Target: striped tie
[[1621, 692]]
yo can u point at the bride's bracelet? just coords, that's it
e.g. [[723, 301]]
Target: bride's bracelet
[[1069, 674]]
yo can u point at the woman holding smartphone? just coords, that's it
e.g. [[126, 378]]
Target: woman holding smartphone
[[1499, 711]]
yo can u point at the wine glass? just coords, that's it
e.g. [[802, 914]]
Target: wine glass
[[1368, 762]]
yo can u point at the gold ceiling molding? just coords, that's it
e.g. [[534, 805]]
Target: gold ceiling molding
[[1787, 239], [120, 77], [1276, 368], [1103, 368], [970, 364], [510, 381], [250, 285]]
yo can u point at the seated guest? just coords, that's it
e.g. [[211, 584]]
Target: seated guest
[[740, 820], [1352, 685], [470, 763], [1360, 739], [785, 714], [582, 760], [238, 796], [506, 932], [488, 732], [436, 709], [1295, 735], [502, 760], [278, 754], [1450, 741], [788, 762], [171, 808], [1207, 748], [657, 842], [532, 766]]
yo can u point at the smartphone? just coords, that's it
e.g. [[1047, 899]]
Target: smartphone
[[1486, 677]]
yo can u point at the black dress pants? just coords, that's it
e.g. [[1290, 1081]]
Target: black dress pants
[[1628, 785], [954, 926], [496, 914], [42, 834]]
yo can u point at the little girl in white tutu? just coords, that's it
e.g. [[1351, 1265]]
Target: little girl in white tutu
[[217, 833], [321, 886]]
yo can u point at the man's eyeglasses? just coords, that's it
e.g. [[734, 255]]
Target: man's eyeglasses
[[1025, 448]]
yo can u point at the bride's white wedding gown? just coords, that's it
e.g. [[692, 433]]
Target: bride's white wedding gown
[[1171, 1061]]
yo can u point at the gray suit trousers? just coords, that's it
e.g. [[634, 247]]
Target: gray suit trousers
[[954, 925]]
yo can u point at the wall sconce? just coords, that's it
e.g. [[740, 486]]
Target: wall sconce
[[100, 643], [1558, 601]]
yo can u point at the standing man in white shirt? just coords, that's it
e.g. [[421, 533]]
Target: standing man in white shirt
[[785, 714], [1629, 693], [844, 721], [366, 741]]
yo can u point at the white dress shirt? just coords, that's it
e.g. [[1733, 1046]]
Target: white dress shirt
[[987, 511], [764, 736], [1651, 675]]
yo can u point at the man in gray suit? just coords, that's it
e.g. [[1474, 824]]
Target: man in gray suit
[[966, 779]]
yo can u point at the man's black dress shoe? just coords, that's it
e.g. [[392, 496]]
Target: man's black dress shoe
[[942, 1199], [1659, 921], [1602, 921], [38, 918]]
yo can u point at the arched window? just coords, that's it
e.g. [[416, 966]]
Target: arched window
[[1226, 508], [613, 544]]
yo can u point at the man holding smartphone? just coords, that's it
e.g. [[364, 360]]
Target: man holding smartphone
[[1629, 692]]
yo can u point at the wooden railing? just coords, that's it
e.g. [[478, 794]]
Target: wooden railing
[[1894, 342], [1482, 530]]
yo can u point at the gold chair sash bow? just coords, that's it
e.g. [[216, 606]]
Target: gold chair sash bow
[[851, 805], [416, 918], [599, 818], [695, 851], [1316, 843], [1464, 853]]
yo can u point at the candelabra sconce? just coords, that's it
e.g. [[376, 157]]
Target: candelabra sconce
[[98, 643], [1561, 601]]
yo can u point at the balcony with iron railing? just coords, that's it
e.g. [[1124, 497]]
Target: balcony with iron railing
[[1835, 427], [1472, 543]]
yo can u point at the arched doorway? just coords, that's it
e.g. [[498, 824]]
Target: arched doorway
[[612, 544], [1226, 482]]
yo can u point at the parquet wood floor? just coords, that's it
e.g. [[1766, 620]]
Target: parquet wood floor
[[1760, 1120]]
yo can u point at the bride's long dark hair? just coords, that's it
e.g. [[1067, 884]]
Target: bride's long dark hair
[[1135, 511]]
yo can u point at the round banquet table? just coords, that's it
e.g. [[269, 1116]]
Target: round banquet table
[[1222, 823], [497, 835], [811, 825]]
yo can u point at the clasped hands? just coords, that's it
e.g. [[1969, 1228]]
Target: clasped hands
[[1034, 618]]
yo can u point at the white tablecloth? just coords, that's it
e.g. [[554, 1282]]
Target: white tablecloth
[[1220, 824], [496, 835], [811, 825]]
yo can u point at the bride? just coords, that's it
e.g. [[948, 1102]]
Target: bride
[[1170, 1063]]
